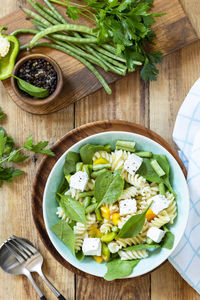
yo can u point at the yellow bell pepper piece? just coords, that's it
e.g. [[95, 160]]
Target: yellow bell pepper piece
[[150, 215], [105, 212], [95, 232], [99, 259], [116, 218], [100, 161]]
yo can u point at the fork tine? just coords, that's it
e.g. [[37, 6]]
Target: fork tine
[[26, 253], [14, 252], [25, 244]]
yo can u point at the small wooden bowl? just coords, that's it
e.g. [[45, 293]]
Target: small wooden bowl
[[32, 101]]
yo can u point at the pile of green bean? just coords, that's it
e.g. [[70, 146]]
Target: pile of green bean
[[76, 40]]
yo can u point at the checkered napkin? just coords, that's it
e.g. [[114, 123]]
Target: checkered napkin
[[186, 257]]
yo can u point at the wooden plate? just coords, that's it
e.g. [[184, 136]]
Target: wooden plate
[[59, 148]]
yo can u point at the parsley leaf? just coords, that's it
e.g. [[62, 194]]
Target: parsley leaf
[[2, 114], [38, 148]]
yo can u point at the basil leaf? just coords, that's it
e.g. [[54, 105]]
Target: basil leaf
[[142, 247], [73, 209], [30, 89], [66, 234], [168, 240], [70, 162], [87, 152], [108, 187], [118, 268], [133, 226]]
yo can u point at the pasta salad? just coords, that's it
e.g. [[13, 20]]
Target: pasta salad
[[115, 204]]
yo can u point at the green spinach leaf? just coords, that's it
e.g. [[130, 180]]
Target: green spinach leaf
[[133, 226], [108, 187], [168, 240], [87, 152], [141, 247], [118, 268], [72, 208], [63, 187], [66, 234], [70, 162]]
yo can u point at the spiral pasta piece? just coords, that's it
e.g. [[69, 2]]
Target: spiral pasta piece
[[128, 193], [132, 254], [105, 228], [162, 219], [103, 154], [172, 208], [61, 214], [136, 180], [90, 221], [118, 159]]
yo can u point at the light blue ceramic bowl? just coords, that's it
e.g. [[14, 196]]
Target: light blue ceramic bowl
[[157, 257]]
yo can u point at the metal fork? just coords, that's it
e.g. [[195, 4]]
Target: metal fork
[[31, 259]]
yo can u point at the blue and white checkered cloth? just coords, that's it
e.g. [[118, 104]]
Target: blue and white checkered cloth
[[186, 257]]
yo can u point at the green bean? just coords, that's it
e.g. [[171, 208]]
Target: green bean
[[47, 10], [144, 153], [157, 168], [162, 188], [86, 194], [125, 145], [79, 166], [91, 208], [112, 68], [97, 173], [42, 12], [94, 200], [86, 169], [114, 62], [56, 28], [101, 166], [107, 53], [24, 30], [37, 17], [86, 202], [105, 252], [108, 237], [38, 24], [98, 215], [78, 40], [55, 11]]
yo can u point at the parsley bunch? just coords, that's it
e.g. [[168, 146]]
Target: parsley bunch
[[124, 24], [8, 154]]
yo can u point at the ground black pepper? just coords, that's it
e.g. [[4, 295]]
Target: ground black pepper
[[40, 73]]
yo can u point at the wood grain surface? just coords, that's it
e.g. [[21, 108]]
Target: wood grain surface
[[154, 105], [61, 147], [174, 31]]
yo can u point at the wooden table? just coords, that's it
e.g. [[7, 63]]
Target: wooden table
[[154, 105]]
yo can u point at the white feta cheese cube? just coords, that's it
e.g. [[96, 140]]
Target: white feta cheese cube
[[128, 206], [92, 246], [132, 163], [114, 247], [159, 203], [156, 234], [79, 180]]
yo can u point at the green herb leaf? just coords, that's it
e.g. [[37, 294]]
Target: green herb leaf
[[118, 268], [108, 187], [16, 156], [3, 140], [38, 148], [141, 247], [66, 234], [72, 208], [87, 152], [70, 162], [30, 89], [2, 115], [168, 240], [63, 187], [7, 174], [133, 225]]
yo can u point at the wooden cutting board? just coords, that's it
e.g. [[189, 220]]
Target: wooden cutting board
[[173, 30]]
